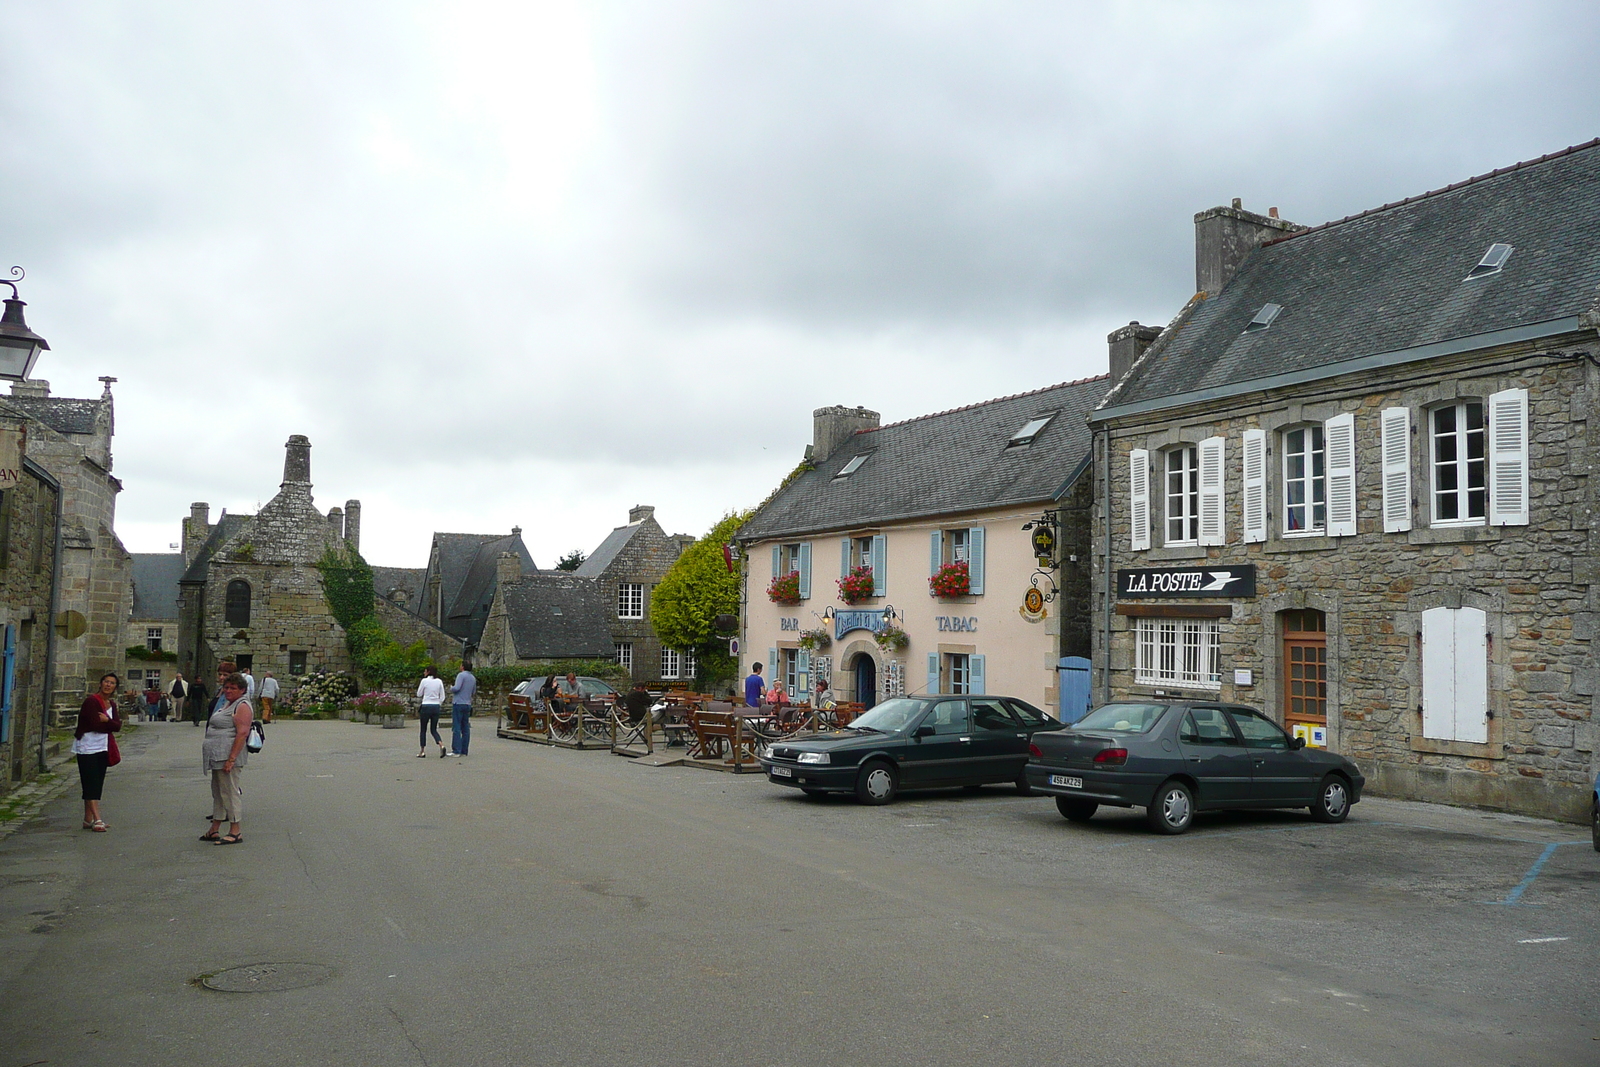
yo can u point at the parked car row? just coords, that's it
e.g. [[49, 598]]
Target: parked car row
[[1173, 758]]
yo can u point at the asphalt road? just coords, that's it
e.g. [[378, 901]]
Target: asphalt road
[[529, 905]]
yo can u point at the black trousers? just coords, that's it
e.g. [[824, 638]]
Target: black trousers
[[92, 772], [428, 718]]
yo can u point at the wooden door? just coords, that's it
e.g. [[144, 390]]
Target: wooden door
[[1305, 668]]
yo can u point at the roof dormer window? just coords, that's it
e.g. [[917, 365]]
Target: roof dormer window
[[1264, 318], [1491, 262], [854, 465], [1030, 429]]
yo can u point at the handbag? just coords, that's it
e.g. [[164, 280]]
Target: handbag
[[258, 736], [113, 753]]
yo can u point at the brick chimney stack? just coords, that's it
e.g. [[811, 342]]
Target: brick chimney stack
[[832, 427], [352, 525], [297, 461], [1224, 236], [196, 528], [1127, 345], [640, 513]]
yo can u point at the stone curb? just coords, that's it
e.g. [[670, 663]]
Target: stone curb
[[25, 802]]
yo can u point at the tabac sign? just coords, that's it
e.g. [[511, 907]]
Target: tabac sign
[[1160, 582]]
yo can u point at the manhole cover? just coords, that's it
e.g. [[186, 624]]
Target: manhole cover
[[267, 977]]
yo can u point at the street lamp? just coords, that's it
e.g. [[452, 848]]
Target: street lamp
[[19, 346]]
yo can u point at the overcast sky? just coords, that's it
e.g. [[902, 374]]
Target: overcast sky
[[531, 264]]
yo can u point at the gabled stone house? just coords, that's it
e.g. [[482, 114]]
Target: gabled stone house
[[546, 615], [905, 502], [626, 567], [152, 622], [458, 584], [1352, 484]]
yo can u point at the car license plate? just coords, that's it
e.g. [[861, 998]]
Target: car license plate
[[781, 772], [1065, 782]]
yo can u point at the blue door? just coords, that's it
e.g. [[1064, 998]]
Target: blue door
[[1073, 672]]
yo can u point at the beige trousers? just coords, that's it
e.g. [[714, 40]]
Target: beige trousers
[[227, 799]]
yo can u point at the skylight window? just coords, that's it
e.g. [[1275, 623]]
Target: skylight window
[[1263, 318], [1030, 429], [853, 466], [1491, 262]]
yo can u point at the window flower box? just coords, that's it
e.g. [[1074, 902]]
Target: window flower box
[[855, 586], [952, 580], [815, 640], [785, 588], [892, 639]]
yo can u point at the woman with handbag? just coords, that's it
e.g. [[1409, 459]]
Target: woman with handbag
[[95, 748], [224, 755]]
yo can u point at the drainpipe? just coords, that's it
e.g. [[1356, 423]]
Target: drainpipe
[[48, 692], [1106, 579]]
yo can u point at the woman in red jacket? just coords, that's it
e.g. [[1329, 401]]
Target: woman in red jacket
[[91, 742]]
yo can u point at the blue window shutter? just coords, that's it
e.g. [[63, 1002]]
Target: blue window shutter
[[936, 553], [8, 678], [805, 570], [777, 560], [975, 675], [844, 557], [880, 564], [975, 561], [933, 673], [772, 665], [804, 666]]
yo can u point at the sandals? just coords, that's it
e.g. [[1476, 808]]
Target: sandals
[[210, 835], [97, 826], [230, 839]]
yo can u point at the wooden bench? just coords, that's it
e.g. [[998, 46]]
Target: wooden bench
[[721, 735]]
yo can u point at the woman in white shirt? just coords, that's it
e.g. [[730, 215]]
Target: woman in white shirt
[[91, 743], [431, 695]]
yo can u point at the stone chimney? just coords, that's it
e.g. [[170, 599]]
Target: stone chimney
[[297, 461], [352, 525], [831, 427], [508, 568], [336, 521], [1127, 345], [1223, 236], [196, 528], [640, 513], [31, 387]]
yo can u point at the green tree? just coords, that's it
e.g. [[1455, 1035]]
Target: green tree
[[571, 561], [697, 589]]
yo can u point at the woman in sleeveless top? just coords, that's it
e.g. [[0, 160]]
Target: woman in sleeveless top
[[224, 755], [91, 743]]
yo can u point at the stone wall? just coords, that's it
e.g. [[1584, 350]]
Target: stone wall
[[1536, 582], [288, 613], [408, 629], [645, 559], [27, 557]]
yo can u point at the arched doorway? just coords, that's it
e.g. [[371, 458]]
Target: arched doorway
[[866, 669]]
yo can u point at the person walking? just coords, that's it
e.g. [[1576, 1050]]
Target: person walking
[[223, 754], [197, 701], [754, 687], [462, 692], [92, 744], [269, 696], [176, 692], [249, 683], [152, 700], [430, 694]]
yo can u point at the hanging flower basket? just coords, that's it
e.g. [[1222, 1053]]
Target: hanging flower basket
[[952, 580], [892, 639], [785, 588], [815, 640], [855, 586]]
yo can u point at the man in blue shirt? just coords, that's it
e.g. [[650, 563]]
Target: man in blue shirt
[[754, 686], [462, 691]]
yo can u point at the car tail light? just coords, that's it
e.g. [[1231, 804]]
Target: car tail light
[[1033, 750], [1114, 757]]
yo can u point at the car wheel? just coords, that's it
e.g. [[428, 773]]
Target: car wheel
[[1076, 810], [877, 783], [1333, 800], [1023, 788], [1171, 809]]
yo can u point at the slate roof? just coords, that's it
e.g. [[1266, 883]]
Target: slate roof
[[942, 464], [227, 525], [602, 557], [1393, 279], [61, 414], [155, 584], [558, 615], [409, 579], [468, 564]]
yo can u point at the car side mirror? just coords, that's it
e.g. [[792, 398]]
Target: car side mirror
[[1296, 743], [923, 731]]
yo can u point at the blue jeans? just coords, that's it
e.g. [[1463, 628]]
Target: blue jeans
[[460, 728]]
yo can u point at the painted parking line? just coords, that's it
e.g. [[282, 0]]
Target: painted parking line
[[1514, 898]]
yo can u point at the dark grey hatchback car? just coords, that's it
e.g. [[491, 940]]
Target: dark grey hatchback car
[[1177, 757]]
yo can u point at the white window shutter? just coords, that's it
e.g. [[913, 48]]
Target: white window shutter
[[975, 680], [933, 673], [1438, 674], [1339, 438], [880, 564], [777, 561], [1139, 499], [1395, 425], [773, 673], [1255, 486], [975, 560], [935, 552], [805, 570], [1213, 526], [844, 557], [1508, 458], [1472, 675]]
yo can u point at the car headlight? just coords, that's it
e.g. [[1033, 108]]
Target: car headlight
[[813, 757]]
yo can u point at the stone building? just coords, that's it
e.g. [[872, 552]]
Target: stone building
[[152, 620], [458, 585], [546, 615], [627, 566], [934, 496], [1351, 483], [29, 505], [71, 439], [251, 591]]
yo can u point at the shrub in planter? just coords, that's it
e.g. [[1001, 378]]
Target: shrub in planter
[[892, 639], [855, 586], [815, 640], [785, 588], [952, 580]]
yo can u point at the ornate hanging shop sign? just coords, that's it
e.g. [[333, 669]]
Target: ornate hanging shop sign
[[845, 621], [1147, 583]]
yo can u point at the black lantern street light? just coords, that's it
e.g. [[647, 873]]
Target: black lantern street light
[[19, 346]]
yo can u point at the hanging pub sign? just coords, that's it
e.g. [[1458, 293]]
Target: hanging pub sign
[[1160, 582], [845, 621]]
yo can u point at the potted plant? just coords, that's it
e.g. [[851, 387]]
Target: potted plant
[[892, 639], [785, 588], [855, 586], [815, 640], [951, 580], [381, 709]]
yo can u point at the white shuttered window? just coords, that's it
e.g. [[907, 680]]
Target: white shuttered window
[[1395, 426], [1455, 674], [1339, 433], [1213, 509], [1508, 458], [1139, 499], [1255, 485]]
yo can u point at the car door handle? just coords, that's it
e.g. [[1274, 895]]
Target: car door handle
[[966, 739]]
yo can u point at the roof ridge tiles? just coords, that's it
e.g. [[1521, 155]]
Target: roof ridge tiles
[[984, 403], [1452, 187]]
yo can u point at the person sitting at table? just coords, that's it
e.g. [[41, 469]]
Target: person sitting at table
[[778, 700], [824, 700], [637, 703]]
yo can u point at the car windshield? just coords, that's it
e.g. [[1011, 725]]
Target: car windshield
[[1122, 718], [891, 715]]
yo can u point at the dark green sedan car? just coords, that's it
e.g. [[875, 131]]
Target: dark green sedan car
[[928, 742]]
